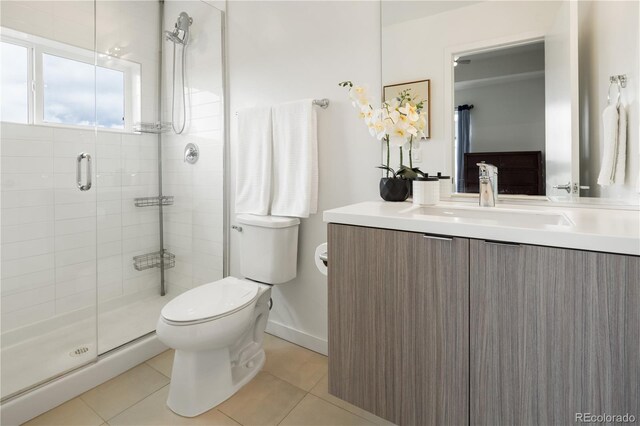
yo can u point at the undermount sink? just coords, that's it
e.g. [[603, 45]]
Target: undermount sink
[[499, 216]]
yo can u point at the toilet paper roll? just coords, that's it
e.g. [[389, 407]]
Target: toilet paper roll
[[322, 248]]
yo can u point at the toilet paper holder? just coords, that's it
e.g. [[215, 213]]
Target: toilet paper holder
[[324, 256]]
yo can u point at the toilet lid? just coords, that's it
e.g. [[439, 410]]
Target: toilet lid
[[212, 300]]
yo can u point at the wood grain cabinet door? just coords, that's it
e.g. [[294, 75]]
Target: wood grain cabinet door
[[554, 332], [398, 324]]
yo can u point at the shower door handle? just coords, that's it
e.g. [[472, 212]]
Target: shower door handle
[[87, 185]]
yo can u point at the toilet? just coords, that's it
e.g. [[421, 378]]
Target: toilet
[[217, 328]]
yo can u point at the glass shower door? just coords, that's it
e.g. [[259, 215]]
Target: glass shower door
[[49, 204]]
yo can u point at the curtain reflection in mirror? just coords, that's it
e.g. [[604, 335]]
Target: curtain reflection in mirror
[[463, 138]]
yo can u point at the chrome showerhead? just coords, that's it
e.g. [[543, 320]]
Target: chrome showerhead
[[173, 37], [180, 33]]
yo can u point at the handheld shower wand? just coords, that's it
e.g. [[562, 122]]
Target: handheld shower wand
[[180, 33], [179, 36]]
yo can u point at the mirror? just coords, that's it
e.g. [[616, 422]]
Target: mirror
[[499, 117], [537, 75]]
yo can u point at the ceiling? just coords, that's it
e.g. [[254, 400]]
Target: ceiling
[[504, 51], [397, 11]]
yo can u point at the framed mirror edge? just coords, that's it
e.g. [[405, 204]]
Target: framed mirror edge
[[480, 46]]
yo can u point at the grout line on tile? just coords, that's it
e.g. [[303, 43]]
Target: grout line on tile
[[226, 415], [316, 383], [348, 411], [155, 369], [138, 401], [342, 408], [288, 382], [90, 408], [294, 407], [278, 378]]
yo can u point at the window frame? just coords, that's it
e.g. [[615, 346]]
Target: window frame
[[37, 47], [30, 74]]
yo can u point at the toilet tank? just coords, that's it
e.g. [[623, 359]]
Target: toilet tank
[[268, 248]]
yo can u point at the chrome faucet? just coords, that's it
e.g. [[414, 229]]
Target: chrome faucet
[[488, 178]]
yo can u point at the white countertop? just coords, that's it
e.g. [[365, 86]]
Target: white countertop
[[604, 230]]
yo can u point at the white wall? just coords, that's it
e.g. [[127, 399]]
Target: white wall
[[505, 62], [506, 88], [478, 22], [608, 46], [283, 51], [507, 115]]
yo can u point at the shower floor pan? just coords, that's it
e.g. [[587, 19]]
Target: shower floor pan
[[39, 358]]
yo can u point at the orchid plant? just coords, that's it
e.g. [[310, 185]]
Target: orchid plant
[[398, 122]]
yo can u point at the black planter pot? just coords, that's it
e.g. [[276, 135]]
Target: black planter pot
[[394, 189], [410, 186]]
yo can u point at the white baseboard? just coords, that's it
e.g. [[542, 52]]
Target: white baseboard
[[298, 337], [31, 404]]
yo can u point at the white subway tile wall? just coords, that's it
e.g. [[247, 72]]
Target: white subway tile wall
[[193, 225], [56, 240]]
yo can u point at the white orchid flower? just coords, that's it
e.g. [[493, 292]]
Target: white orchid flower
[[393, 115], [403, 120], [389, 125], [367, 113], [398, 136], [421, 125], [359, 96], [393, 104], [377, 129], [410, 112]]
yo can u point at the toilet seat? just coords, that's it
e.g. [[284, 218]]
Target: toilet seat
[[210, 301]]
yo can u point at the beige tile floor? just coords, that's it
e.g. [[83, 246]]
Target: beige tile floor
[[290, 390]]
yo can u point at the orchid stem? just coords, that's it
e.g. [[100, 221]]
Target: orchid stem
[[411, 153], [388, 155], [401, 157]]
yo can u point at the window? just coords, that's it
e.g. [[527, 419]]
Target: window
[[69, 89], [14, 85], [68, 95], [110, 98]]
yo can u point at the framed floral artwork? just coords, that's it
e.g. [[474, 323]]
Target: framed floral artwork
[[420, 90]]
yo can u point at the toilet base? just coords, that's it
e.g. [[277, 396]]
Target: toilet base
[[202, 380]]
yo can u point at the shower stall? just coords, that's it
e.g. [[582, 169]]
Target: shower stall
[[112, 147]]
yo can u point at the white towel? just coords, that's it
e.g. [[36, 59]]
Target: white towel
[[621, 159], [295, 159], [254, 161], [614, 124]]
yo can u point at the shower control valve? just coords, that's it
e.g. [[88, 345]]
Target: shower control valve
[[191, 153]]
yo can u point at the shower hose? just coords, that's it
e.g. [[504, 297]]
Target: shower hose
[[173, 91]]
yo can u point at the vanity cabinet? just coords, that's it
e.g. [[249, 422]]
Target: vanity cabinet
[[428, 330], [554, 332], [398, 324]]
